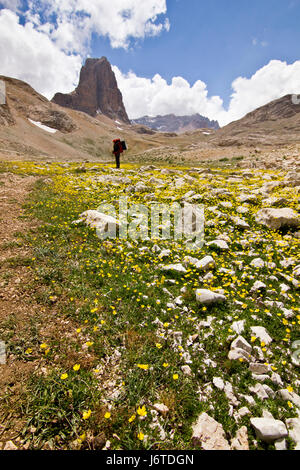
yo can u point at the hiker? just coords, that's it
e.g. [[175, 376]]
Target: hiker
[[118, 149]]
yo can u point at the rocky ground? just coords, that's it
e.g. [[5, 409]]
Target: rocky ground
[[158, 343]]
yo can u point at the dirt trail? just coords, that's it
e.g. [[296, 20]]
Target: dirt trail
[[24, 323], [16, 306]]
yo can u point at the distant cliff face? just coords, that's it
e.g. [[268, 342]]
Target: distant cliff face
[[96, 93], [178, 124]]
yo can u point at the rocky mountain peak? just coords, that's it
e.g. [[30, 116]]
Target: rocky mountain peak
[[96, 93], [178, 124]]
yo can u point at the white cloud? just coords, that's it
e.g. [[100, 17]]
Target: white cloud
[[256, 42], [155, 96], [143, 96], [272, 81], [31, 56], [11, 4], [47, 52], [119, 20]]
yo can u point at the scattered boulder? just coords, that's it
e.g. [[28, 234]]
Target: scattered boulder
[[240, 223], [218, 383], [258, 286], [276, 219], [220, 244], [209, 434], [208, 297], [240, 349], [161, 408], [290, 396], [240, 441], [293, 425], [269, 430], [104, 224], [206, 263], [261, 333], [257, 368], [177, 268]]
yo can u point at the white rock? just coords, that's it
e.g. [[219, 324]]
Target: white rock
[[293, 425], [221, 244], [190, 220], [218, 383], [261, 333], [260, 378], [208, 297], [241, 343], [278, 218], [296, 272], [269, 391], [267, 414], [243, 412], [240, 223], [257, 263], [238, 326], [290, 396], [249, 399], [178, 268], [186, 370], [236, 354], [190, 260], [259, 391], [269, 430], [276, 379], [257, 368], [206, 263], [280, 444], [161, 408], [2, 353], [284, 288], [230, 395], [209, 434], [257, 286], [104, 224], [249, 198], [242, 210], [240, 442], [164, 254]]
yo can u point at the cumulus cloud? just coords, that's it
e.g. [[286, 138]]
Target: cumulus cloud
[[143, 96], [155, 96], [11, 4], [74, 21], [272, 81], [30, 55], [48, 49]]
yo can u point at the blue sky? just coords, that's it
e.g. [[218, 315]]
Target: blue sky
[[230, 56], [215, 41]]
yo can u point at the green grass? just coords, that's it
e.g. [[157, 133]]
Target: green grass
[[109, 291]]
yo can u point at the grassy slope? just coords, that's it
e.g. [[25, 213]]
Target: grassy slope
[[110, 294]]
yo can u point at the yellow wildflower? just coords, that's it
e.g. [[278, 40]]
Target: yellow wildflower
[[86, 414], [141, 411]]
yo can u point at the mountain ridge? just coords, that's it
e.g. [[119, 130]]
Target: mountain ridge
[[175, 123]]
